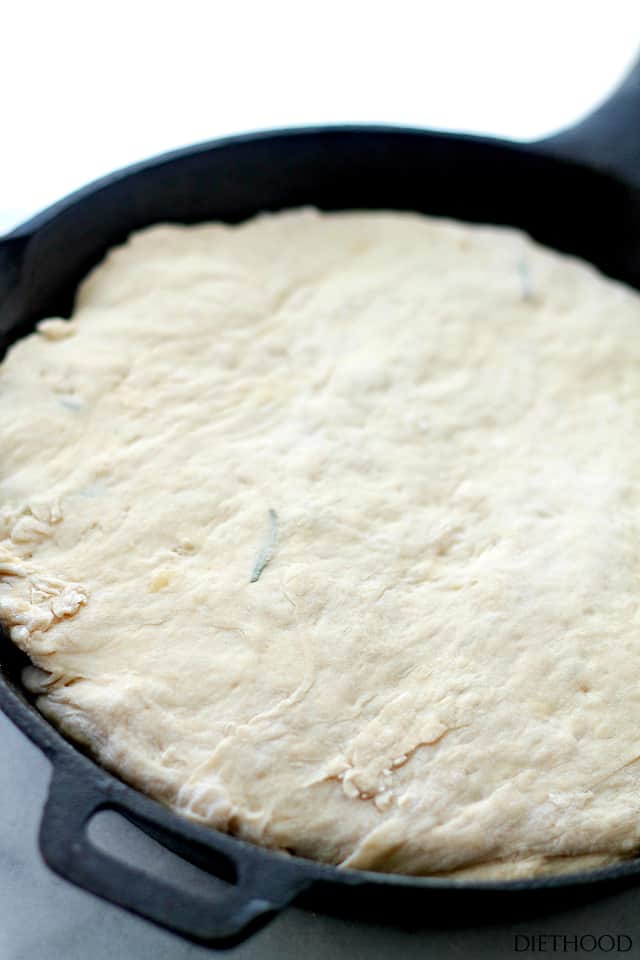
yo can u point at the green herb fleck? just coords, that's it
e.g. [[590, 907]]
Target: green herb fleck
[[266, 553], [526, 284]]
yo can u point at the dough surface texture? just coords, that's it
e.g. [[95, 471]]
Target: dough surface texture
[[324, 530]]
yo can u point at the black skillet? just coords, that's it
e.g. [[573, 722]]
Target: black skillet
[[578, 191]]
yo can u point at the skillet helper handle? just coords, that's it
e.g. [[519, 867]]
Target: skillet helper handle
[[67, 848], [609, 138]]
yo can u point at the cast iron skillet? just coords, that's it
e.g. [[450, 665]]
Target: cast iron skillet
[[578, 192]]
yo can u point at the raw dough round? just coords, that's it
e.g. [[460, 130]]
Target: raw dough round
[[324, 530]]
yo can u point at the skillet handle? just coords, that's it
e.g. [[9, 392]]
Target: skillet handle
[[239, 912], [608, 138]]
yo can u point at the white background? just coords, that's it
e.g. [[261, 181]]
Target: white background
[[85, 88], [88, 87]]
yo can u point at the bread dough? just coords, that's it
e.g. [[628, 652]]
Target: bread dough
[[324, 530]]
